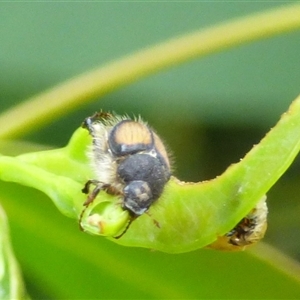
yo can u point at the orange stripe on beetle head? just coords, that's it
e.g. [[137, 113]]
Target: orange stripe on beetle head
[[132, 133]]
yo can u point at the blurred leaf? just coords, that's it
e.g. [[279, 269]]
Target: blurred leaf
[[41, 109], [11, 282]]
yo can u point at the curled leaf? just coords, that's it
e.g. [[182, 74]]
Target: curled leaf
[[189, 215]]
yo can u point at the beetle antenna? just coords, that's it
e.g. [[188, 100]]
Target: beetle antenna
[[127, 227]]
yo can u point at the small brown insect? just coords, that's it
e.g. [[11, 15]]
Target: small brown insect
[[248, 231]]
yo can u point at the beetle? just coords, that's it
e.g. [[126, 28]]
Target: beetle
[[129, 160]]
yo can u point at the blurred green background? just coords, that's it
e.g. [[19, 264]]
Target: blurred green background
[[210, 112]]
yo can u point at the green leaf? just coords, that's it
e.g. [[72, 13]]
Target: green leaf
[[190, 215]]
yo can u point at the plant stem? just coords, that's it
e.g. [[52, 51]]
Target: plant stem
[[50, 105]]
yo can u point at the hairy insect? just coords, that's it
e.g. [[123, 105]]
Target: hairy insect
[[129, 160]]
